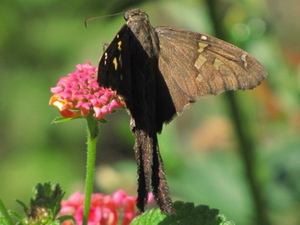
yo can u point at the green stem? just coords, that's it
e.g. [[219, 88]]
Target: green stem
[[92, 136], [4, 217], [246, 142]]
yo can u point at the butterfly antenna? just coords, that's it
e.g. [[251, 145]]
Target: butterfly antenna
[[98, 17]]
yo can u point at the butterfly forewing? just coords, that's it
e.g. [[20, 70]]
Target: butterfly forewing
[[114, 67], [195, 64]]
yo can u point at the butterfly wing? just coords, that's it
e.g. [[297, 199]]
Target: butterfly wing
[[195, 64], [114, 66]]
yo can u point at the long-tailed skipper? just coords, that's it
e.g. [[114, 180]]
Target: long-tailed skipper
[[159, 72]]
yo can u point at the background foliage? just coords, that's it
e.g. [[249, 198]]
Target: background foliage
[[43, 40]]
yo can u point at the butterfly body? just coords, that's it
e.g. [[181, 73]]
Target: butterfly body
[[158, 72]]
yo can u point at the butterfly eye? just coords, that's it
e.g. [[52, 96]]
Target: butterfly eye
[[126, 16]]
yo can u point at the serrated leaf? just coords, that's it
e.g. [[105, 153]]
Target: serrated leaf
[[47, 196], [153, 217], [186, 214]]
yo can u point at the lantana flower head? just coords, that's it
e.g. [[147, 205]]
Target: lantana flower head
[[119, 208], [78, 94]]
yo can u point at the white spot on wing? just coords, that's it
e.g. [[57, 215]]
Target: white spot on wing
[[243, 58], [203, 37], [105, 57]]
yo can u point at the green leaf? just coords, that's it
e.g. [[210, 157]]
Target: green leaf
[[102, 121], [55, 222], [25, 208], [18, 217], [186, 214], [225, 221], [64, 119], [5, 219], [64, 218]]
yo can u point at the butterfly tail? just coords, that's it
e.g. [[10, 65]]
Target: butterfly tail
[[159, 182], [151, 170], [143, 154]]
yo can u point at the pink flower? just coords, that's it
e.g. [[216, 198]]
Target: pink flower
[[127, 204], [78, 94], [119, 208], [71, 205], [94, 217]]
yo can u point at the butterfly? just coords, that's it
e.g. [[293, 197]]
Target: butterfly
[[159, 72]]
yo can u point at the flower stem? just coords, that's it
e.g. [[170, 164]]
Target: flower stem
[[246, 141], [92, 136]]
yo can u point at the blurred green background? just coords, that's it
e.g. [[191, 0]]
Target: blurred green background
[[40, 41]]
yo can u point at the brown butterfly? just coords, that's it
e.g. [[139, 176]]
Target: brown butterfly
[[158, 72]]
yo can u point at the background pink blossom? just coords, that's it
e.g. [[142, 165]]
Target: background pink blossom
[[119, 208]]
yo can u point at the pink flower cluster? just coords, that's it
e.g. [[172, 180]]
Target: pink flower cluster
[[105, 209], [79, 93]]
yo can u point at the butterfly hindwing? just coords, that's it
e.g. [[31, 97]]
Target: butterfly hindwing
[[195, 64]]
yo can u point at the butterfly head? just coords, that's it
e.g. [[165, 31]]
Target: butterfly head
[[135, 15]]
